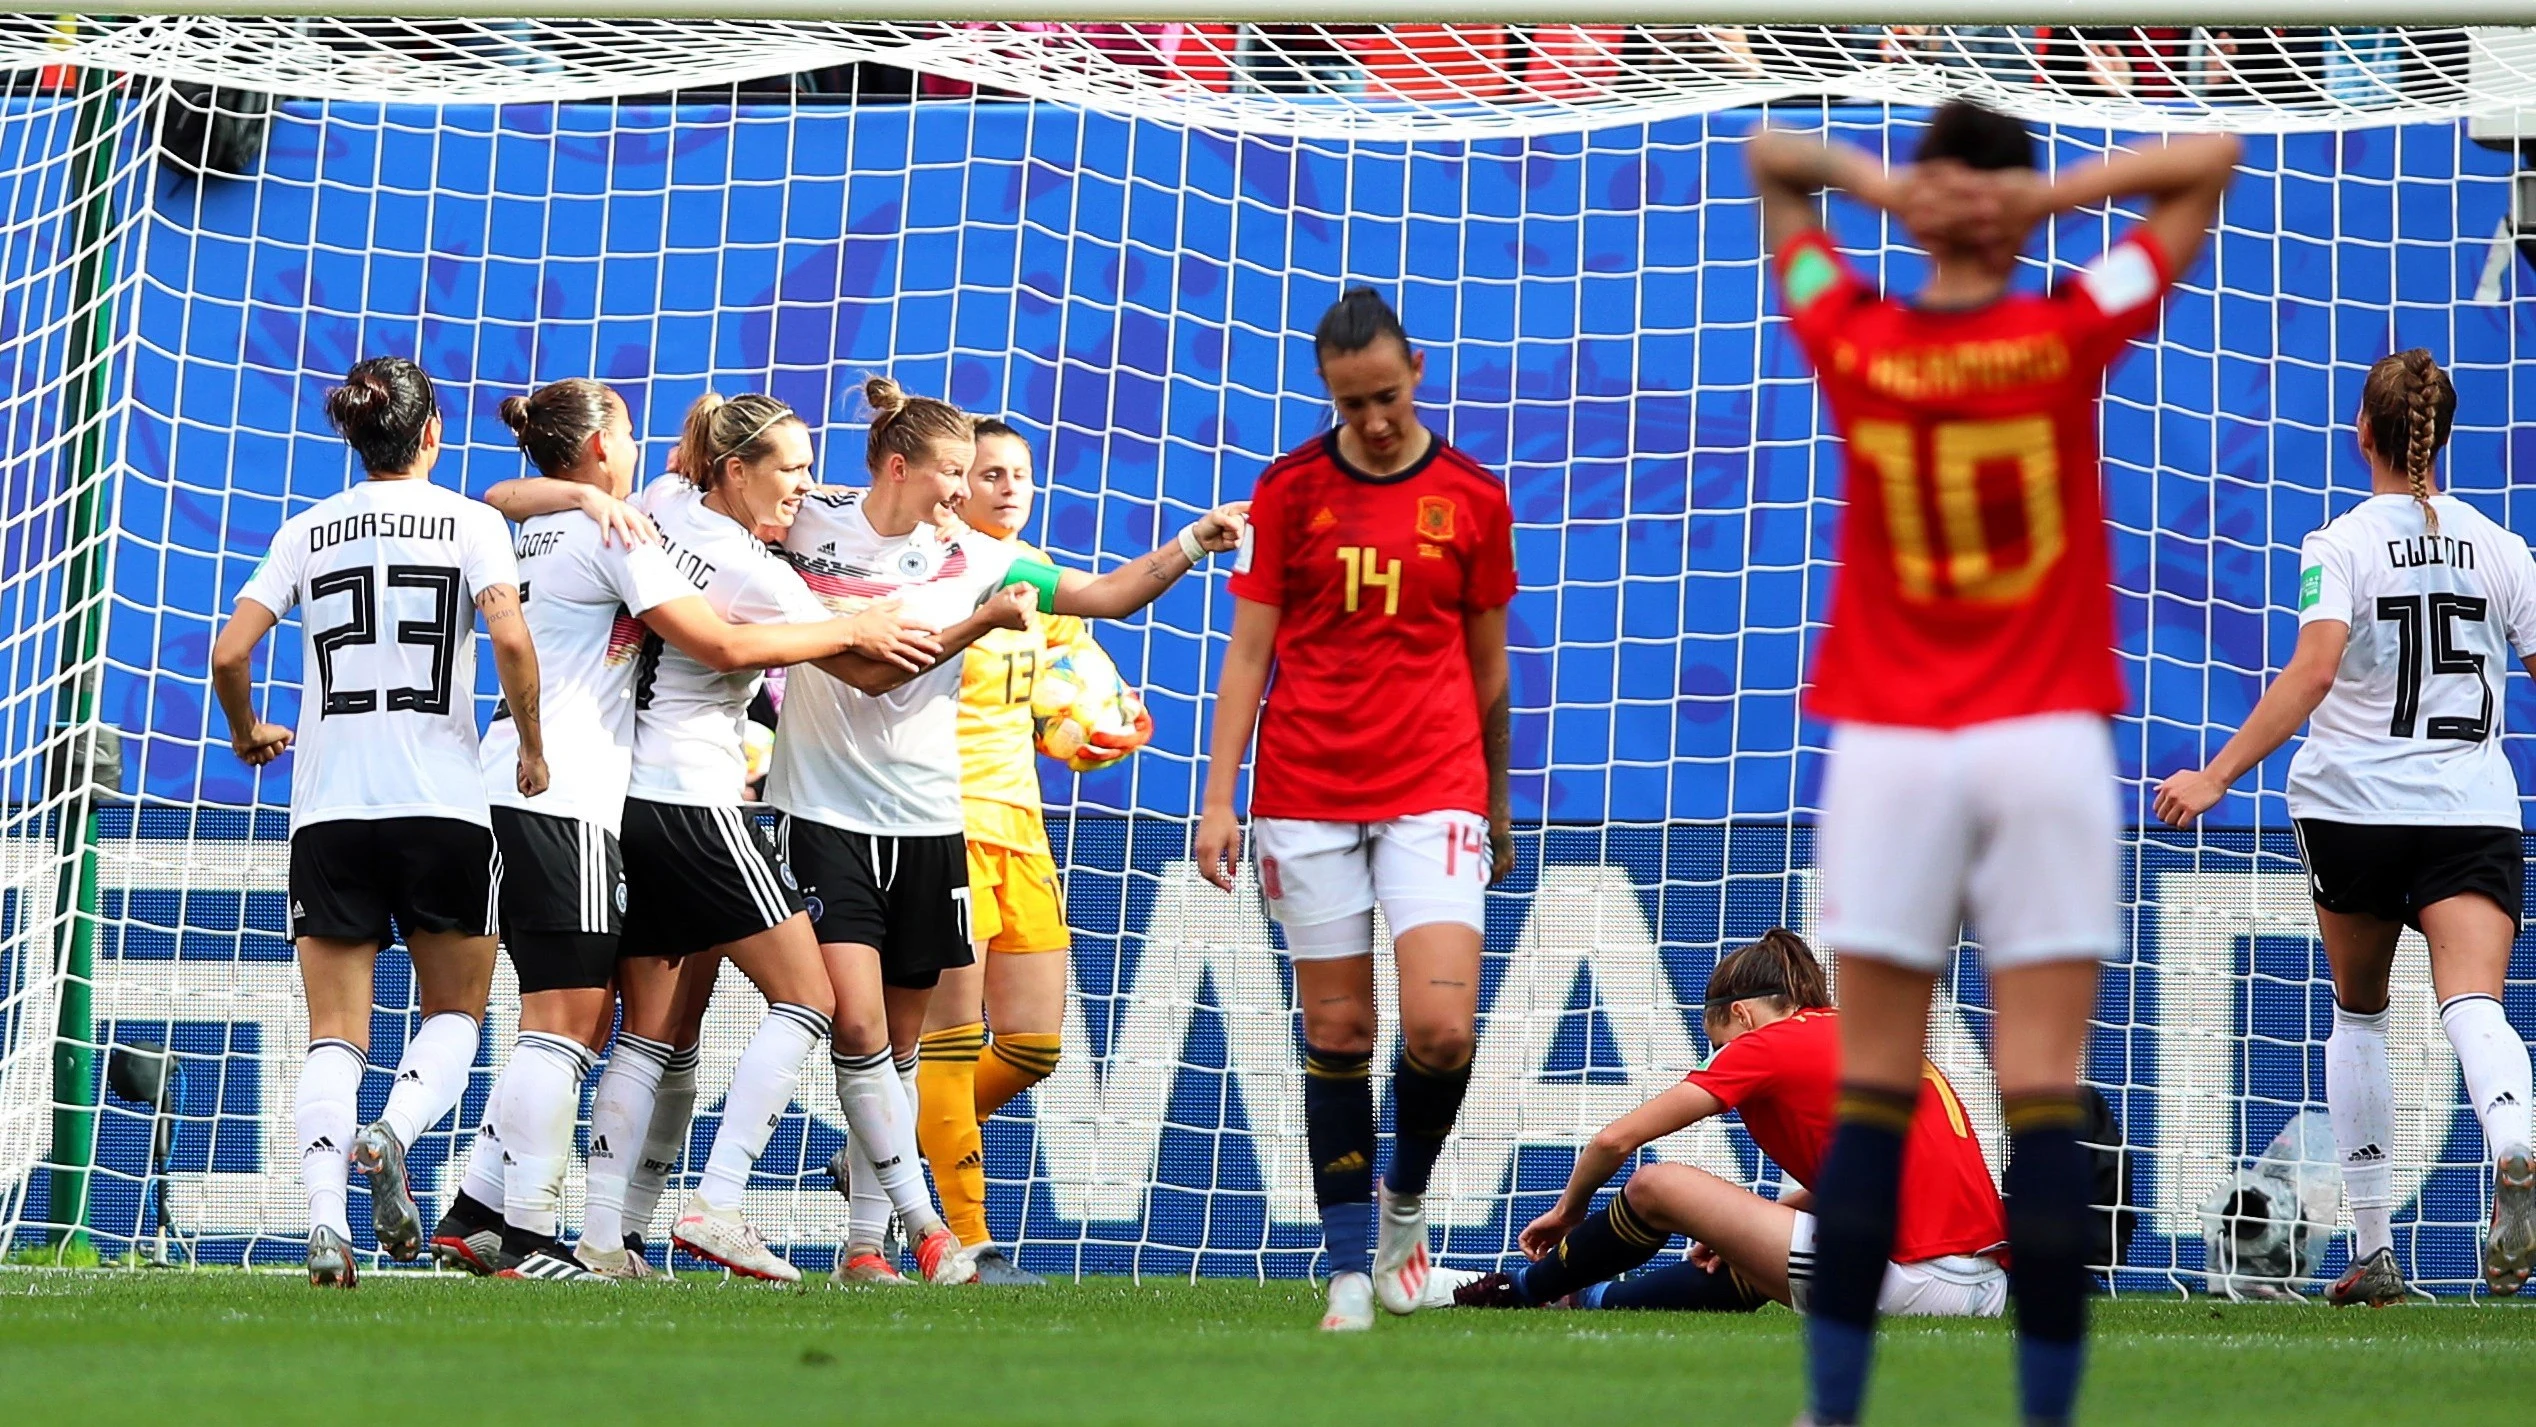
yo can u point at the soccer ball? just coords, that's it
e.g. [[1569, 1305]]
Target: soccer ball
[[1084, 716]]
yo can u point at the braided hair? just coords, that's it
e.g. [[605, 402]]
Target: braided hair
[[2407, 407]]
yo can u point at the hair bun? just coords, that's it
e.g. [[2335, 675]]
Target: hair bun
[[514, 412], [885, 396]]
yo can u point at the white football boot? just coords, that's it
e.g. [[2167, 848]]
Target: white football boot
[[1351, 1304], [723, 1237], [1401, 1264]]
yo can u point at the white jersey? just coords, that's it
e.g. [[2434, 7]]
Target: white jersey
[[887, 763], [2410, 733], [390, 572], [582, 595], [688, 719]]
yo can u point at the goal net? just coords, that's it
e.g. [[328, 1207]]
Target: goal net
[[1118, 236]]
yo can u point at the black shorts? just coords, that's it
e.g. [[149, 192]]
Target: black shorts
[[563, 899], [698, 878], [908, 896], [351, 875], [2391, 873]]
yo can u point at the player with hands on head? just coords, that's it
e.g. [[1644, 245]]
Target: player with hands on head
[[1374, 585], [2411, 607], [1769, 1014], [595, 601], [1967, 669], [867, 777], [390, 831], [1018, 932]]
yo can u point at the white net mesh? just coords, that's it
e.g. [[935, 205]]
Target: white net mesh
[[1125, 260]]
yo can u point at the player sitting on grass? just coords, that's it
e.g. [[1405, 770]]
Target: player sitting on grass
[[2410, 607], [1967, 669], [1769, 1014], [1016, 910]]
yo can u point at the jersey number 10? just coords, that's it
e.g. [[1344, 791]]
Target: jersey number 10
[[1974, 565], [2412, 618]]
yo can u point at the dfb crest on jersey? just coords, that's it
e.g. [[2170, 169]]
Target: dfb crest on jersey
[[1435, 518], [912, 564]]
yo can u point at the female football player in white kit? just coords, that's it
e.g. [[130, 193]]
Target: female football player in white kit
[[702, 875], [2410, 607], [388, 814], [869, 787], [590, 601]]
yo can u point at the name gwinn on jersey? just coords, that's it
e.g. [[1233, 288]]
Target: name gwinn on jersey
[[2410, 732], [688, 719], [581, 594], [880, 763], [389, 572]]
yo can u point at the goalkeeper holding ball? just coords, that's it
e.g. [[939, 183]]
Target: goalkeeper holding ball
[[1016, 911]]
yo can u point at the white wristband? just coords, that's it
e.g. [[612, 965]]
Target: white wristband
[[1189, 545]]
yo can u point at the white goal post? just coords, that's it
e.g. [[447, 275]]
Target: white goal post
[[1115, 228]]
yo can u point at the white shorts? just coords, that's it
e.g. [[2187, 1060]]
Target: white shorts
[[1322, 880], [2013, 826], [1957, 1286]]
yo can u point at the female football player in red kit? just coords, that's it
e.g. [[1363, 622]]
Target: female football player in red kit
[[1968, 672], [1375, 582]]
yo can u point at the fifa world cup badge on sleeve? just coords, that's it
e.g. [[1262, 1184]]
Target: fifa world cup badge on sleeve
[[2311, 586]]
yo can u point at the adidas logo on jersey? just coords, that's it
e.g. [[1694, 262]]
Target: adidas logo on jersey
[[828, 547], [2365, 1154], [599, 1147], [1323, 521]]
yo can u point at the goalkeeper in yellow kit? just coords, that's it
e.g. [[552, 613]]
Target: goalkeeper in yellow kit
[[1017, 912]]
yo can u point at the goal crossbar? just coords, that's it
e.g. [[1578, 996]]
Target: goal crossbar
[[1668, 12]]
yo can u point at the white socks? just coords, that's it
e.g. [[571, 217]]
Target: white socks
[[432, 1075], [665, 1142], [2494, 1060], [881, 1124], [329, 1094], [868, 1206], [483, 1182], [762, 1086], [2360, 1096], [620, 1115], [535, 1104]]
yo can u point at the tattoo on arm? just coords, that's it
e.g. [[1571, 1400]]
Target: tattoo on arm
[[1497, 742], [1154, 570]]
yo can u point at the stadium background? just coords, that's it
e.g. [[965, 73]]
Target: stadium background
[[1137, 298]]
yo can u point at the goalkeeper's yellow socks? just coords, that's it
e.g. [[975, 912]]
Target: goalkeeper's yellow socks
[[1013, 1063], [946, 1125]]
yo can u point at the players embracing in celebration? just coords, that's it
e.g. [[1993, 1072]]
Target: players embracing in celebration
[[1016, 909], [1968, 673], [388, 814], [593, 603], [867, 778], [2411, 606], [1375, 586]]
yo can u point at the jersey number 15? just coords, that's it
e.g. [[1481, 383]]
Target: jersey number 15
[[2438, 617]]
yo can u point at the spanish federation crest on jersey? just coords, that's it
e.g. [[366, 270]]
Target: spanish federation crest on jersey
[[1435, 518]]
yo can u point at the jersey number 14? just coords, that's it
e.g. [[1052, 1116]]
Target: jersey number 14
[[2436, 616]]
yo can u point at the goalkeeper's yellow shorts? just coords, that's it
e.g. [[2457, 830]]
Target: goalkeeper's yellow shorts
[[1014, 903]]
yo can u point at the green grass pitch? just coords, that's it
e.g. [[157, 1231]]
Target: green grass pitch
[[180, 1349]]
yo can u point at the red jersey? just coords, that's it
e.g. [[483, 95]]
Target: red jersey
[[1974, 581], [1371, 713], [1783, 1079]]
